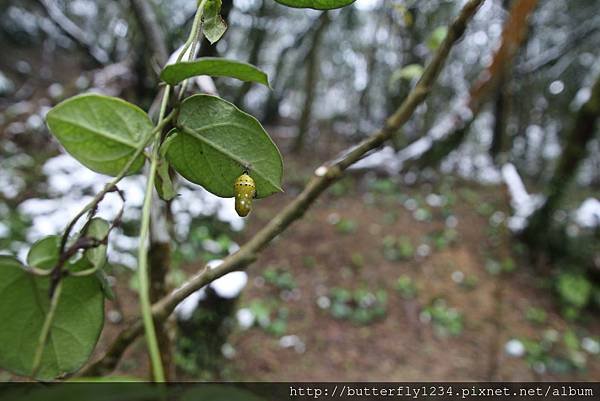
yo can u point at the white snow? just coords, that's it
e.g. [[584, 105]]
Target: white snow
[[186, 308], [70, 185], [588, 214], [522, 203], [229, 286], [292, 341], [515, 348], [245, 318], [386, 158]]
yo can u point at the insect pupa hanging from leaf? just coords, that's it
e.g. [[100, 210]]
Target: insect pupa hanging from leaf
[[244, 189]]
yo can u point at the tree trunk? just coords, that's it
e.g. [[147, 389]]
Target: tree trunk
[[371, 56], [574, 152], [310, 84], [501, 104], [257, 36], [499, 139], [280, 79]]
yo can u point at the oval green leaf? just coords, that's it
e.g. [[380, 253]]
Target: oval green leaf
[[216, 142], [316, 4], [101, 132], [214, 67], [75, 330], [44, 253]]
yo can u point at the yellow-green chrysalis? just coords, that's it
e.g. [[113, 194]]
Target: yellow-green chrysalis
[[245, 191]]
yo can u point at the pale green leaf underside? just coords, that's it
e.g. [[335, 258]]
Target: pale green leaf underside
[[101, 132], [44, 253], [214, 67], [216, 142], [75, 330], [97, 229], [214, 26], [316, 4]]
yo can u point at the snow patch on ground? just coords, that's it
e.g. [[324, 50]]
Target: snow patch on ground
[[71, 186], [229, 286], [523, 203], [588, 214]]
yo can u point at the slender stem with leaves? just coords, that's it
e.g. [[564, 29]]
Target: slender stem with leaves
[[143, 276]]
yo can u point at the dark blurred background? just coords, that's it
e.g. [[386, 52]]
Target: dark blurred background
[[466, 249]]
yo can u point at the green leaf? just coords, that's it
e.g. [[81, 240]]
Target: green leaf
[[101, 132], [96, 257], [44, 253], [216, 142], [436, 37], [574, 289], [97, 229], [105, 284], [214, 26], [410, 72], [316, 4], [215, 67], [74, 332], [163, 183]]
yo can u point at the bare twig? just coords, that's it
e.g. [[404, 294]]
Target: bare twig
[[324, 176], [549, 57], [75, 33]]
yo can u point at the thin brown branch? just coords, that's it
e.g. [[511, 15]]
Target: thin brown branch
[[551, 56], [69, 28], [324, 176]]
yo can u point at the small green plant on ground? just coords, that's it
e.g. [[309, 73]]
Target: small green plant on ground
[[269, 316], [398, 248], [442, 239], [406, 287], [495, 267], [383, 186], [556, 353], [536, 316], [360, 306], [446, 321], [575, 292], [346, 226], [280, 278]]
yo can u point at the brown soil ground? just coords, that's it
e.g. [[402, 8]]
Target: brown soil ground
[[399, 346]]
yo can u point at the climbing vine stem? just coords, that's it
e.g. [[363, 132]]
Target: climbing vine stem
[[143, 274], [39, 350]]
